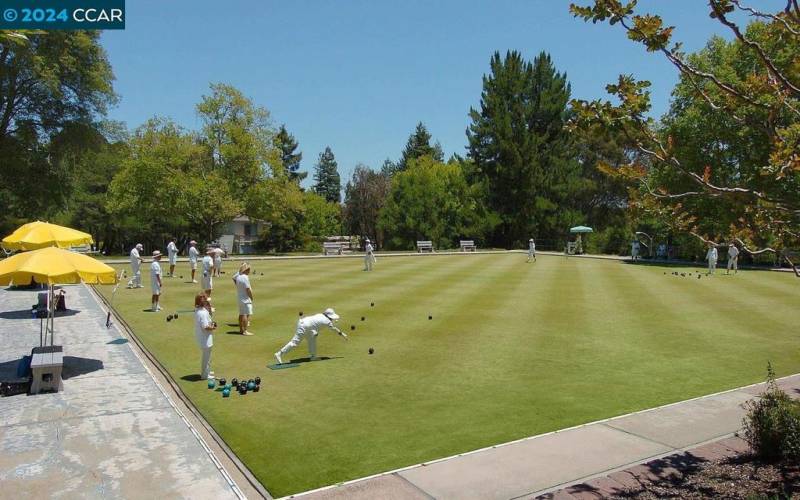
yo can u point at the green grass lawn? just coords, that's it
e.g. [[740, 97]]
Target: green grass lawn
[[513, 350]]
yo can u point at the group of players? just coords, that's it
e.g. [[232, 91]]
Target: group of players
[[211, 264]]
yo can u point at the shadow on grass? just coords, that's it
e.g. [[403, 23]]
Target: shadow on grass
[[192, 378], [309, 360]]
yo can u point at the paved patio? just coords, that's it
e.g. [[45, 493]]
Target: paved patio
[[111, 433]]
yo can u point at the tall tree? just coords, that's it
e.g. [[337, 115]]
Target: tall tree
[[239, 138], [518, 142], [290, 157], [723, 164], [328, 184], [47, 82], [364, 198], [419, 145], [432, 200]]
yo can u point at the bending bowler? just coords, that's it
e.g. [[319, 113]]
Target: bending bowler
[[311, 325], [136, 267]]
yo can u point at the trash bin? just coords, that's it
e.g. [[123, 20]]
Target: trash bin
[[47, 363]]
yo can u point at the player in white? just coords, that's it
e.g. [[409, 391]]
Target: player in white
[[155, 281], [193, 255], [203, 332], [531, 250], [311, 325], [172, 253], [635, 246], [218, 253], [207, 280], [136, 267], [244, 294], [711, 257], [733, 259], [369, 256]]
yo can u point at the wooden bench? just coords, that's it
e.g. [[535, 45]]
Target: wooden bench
[[331, 247], [424, 245], [46, 365], [468, 245]]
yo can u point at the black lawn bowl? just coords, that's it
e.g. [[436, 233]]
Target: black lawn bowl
[[683, 275], [235, 382], [175, 316], [352, 327], [363, 318], [372, 304], [262, 274], [371, 350], [223, 382], [300, 313], [698, 276], [169, 318], [430, 318], [258, 380], [256, 388], [181, 276]]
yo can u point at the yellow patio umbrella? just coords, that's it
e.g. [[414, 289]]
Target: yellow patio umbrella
[[53, 266], [34, 235]]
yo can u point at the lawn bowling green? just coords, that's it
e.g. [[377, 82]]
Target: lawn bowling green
[[513, 350]]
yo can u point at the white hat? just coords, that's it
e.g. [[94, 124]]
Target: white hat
[[156, 253], [331, 314], [193, 242], [139, 246], [530, 239], [367, 240]]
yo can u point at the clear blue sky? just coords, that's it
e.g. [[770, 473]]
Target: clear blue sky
[[358, 75]]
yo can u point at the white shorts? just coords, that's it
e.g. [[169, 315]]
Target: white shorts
[[206, 283], [193, 263], [173, 259], [218, 263], [155, 287], [246, 308]]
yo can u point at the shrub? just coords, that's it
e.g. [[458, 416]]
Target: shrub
[[772, 423]]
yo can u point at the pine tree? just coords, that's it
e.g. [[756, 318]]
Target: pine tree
[[290, 160], [518, 142], [418, 145], [328, 184]]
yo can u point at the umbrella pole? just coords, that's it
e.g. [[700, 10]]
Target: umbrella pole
[[51, 313]]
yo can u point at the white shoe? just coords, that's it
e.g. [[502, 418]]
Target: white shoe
[[158, 308], [139, 286], [278, 357], [194, 281]]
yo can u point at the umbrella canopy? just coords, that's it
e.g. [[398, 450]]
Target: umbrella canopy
[[40, 234], [54, 266], [581, 229]]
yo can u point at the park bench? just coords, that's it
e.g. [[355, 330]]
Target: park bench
[[84, 249], [331, 247], [424, 245], [46, 365], [468, 245]]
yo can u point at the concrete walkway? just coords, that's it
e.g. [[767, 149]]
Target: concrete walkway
[[542, 464], [111, 433]]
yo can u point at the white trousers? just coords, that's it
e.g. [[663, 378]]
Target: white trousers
[[136, 271], [298, 337], [531, 255], [205, 362], [733, 263], [712, 266], [369, 260]]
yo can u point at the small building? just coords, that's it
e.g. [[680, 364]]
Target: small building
[[244, 232]]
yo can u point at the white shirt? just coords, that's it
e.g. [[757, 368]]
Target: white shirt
[[135, 258], [193, 253], [202, 320], [155, 270], [208, 263], [733, 252], [242, 285], [315, 322], [369, 248], [712, 254], [172, 249], [532, 246]]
